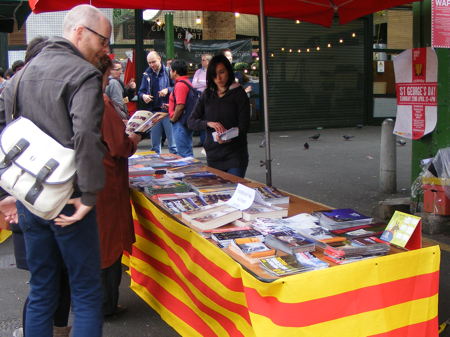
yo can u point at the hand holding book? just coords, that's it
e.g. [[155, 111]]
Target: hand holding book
[[143, 120]]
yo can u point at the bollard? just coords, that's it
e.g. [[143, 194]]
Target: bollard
[[388, 158]]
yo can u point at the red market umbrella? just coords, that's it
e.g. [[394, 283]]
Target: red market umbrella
[[321, 12], [315, 11]]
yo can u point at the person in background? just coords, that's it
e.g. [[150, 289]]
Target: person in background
[[68, 66], [199, 83], [2, 79], [169, 63], [240, 77], [17, 65], [223, 105], [9, 73], [154, 92], [177, 101], [117, 91], [115, 223]]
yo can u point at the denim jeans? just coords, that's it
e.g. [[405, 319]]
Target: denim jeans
[[237, 171], [183, 139], [47, 245], [156, 134]]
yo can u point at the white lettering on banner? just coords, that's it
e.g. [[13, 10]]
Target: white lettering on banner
[[443, 2], [421, 94]]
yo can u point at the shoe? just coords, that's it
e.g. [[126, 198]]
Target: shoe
[[119, 310]]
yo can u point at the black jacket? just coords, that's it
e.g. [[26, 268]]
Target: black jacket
[[231, 110]]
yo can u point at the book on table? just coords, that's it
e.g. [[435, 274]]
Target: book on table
[[283, 265], [211, 216], [251, 249], [225, 238], [272, 196], [179, 202], [263, 211], [361, 231], [404, 230], [360, 247], [341, 218], [289, 242]]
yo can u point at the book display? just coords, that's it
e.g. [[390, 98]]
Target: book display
[[216, 267], [341, 218]]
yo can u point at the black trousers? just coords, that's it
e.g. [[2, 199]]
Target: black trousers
[[111, 278]]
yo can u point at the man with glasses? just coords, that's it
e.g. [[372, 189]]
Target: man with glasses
[[117, 91], [60, 91], [154, 92]]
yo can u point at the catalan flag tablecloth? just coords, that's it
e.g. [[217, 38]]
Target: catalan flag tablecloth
[[4, 234], [200, 291]]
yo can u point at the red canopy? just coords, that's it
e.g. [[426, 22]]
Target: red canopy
[[314, 11]]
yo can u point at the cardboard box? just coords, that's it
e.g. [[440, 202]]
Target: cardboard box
[[435, 200]]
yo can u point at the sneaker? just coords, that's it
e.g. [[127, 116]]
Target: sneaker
[[18, 332]]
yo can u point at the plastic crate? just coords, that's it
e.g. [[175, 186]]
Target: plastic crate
[[435, 200]]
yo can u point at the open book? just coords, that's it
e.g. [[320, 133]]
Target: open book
[[143, 120]]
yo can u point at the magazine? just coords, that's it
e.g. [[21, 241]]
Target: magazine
[[227, 135], [143, 120]]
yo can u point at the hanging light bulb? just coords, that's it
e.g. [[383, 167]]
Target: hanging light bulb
[[245, 71], [158, 22], [297, 21], [307, 50], [272, 55], [317, 48], [190, 65], [282, 49], [198, 21], [299, 51], [353, 34], [341, 41], [237, 14], [329, 45], [290, 50], [257, 59]]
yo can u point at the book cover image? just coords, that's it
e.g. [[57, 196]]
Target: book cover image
[[400, 228], [344, 214]]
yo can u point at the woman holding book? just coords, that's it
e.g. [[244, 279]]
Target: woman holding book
[[222, 106]]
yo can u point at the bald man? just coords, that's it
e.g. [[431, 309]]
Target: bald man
[[60, 91], [154, 93]]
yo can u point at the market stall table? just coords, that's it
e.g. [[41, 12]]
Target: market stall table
[[201, 291]]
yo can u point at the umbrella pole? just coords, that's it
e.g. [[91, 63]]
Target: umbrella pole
[[262, 41]]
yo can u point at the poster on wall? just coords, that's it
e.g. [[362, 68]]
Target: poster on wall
[[416, 87], [440, 23]]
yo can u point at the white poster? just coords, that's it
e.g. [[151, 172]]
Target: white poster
[[416, 86]]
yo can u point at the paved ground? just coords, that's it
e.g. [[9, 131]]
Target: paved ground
[[332, 171]]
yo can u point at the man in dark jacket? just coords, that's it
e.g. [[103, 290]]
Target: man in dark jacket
[[60, 91], [154, 92]]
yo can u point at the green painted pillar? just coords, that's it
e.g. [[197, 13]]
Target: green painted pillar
[[4, 51], [440, 137], [170, 50]]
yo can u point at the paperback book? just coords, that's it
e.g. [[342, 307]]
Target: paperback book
[[225, 238], [272, 196], [180, 202], [251, 249], [403, 230], [211, 216], [361, 231], [283, 265], [289, 242], [263, 211], [227, 135], [341, 218], [143, 120]]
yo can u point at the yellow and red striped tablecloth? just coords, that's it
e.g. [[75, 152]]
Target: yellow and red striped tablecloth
[[200, 291], [4, 234]]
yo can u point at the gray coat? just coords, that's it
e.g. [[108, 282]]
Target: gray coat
[[61, 93]]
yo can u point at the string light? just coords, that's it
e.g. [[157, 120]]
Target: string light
[[317, 48], [297, 21], [158, 22], [299, 51], [190, 64], [353, 34], [271, 55], [290, 50], [307, 50], [341, 41], [198, 21], [329, 45], [257, 59], [245, 71], [237, 14], [282, 49]]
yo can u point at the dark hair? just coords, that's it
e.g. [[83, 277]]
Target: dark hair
[[35, 47], [179, 66], [2, 72], [104, 64], [211, 71], [116, 62], [17, 65], [9, 73]]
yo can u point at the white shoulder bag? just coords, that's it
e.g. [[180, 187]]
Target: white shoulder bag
[[35, 168]]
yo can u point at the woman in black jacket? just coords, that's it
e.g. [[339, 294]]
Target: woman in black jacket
[[223, 105]]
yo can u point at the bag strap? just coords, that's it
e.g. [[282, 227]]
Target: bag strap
[[189, 86], [16, 89]]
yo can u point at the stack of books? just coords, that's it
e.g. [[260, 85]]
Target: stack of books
[[289, 242], [284, 265], [341, 218], [250, 249], [179, 202], [263, 211], [211, 216], [164, 186], [272, 196]]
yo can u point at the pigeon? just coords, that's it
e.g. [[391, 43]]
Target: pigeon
[[401, 142], [347, 137], [263, 143], [315, 137], [306, 146]]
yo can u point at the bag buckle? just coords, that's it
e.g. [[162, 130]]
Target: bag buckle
[[15, 151], [49, 167]]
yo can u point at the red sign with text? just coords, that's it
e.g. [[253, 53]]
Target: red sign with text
[[440, 23]]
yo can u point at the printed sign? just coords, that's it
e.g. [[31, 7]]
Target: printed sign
[[416, 87], [440, 23]]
